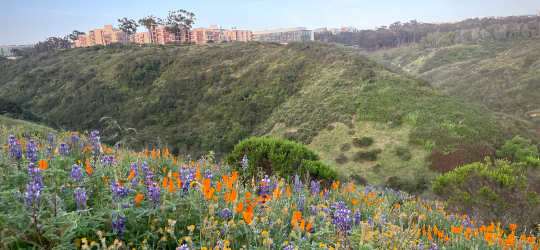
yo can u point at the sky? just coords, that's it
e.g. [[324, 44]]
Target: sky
[[27, 22]]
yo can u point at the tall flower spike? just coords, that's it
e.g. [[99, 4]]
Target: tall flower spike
[[245, 163], [32, 150], [14, 148]]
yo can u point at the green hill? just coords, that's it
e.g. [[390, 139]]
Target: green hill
[[503, 75], [194, 99]]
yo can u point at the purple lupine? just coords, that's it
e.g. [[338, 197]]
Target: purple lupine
[[148, 174], [356, 217], [326, 194], [265, 187], [135, 169], [313, 210], [341, 219], [298, 186], [32, 151], [95, 141], [209, 174], [301, 202], [226, 213], [63, 149], [420, 246], [81, 197], [183, 247], [315, 187], [83, 144], [383, 217], [154, 192], [76, 174], [118, 225], [14, 148], [107, 160], [370, 221], [28, 136], [118, 190], [74, 139], [289, 247], [50, 138], [63, 189], [245, 163], [433, 247], [187, 176], [33, 189]]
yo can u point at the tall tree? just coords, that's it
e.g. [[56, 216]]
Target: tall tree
[[74, 36], [147, 23], [129, 26], [179, 20]]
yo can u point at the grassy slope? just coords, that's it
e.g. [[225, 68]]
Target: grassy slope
[[327, 145], [202, 98], [504, 75]]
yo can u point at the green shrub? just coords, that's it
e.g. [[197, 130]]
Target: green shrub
[[420, 183], [518, 149], [351, 132], [330, 127], [365, 156], [377, 168], [493, 192], [406, 156], [364, 141], [341, 159], [345, 146], [279, 157], [401, 150], [359, 180]]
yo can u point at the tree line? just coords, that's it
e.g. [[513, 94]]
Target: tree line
[[431, 34]]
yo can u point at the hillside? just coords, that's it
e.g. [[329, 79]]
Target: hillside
[[194, 99], [502, 75]]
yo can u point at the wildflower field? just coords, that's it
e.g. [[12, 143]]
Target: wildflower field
[[69, 191]]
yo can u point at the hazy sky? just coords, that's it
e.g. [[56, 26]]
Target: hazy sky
[[23, 22]]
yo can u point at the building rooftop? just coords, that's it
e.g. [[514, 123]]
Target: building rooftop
[[278, 30]]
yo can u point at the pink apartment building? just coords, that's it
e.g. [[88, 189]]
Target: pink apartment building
[[104, 36], [202, 35]]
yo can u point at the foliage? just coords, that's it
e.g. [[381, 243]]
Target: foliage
[[345, 146], [406, 156], [364, 141], [418, 184], [342, 158], [278, 157], [494, 192], [330, 127], [367, 155], [151, 199], [519, 149], [351, 132]]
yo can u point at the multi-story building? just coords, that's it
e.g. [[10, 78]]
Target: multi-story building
[[142, 37], [349, 29], [104, 36], [235, 35], [218, 34], [160, 35], [320, 30], [334, 30], [297, 34], [5, 50]]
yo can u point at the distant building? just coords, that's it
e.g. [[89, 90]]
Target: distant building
[[297, 34], [349, 29], [218, 34], [334, 30], [160, 35], [5, 50], [142, 37], [104, 36], [320, 30], [235, 35]]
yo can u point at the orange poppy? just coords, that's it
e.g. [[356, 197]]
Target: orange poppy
[[247, 217], [308, 226], [171, 186], [209, 193], [288, 191], [88, 169], [218, 188], [43, 165], [240, 207], [198, 175], [165, 182], [131, 174]]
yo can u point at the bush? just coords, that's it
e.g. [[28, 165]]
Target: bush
[[279, 157], [330, 127], [493, 192], [406, 156], [518, 149], [345, 146], [359, 180], [351, 132], [377, 169], [401, 150], [341, 159], [365, 156], [364, 141]]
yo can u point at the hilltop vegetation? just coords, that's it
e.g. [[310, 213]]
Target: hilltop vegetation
[[194, 99], [502, 75]]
